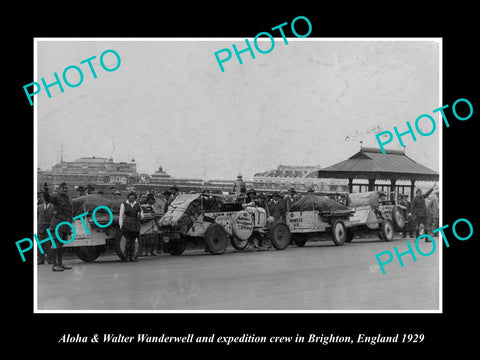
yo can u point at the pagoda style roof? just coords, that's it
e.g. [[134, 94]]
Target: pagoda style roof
[[371, 163]]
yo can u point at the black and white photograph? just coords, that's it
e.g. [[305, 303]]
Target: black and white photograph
[[219, 179], [261, 187]]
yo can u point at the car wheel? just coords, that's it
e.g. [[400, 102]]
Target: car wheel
[[387, 230], [398, 218], [279, 235], [238, 244], [339, 233], [216, 239]]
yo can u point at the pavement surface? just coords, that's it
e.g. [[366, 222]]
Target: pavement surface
[[319, 276]]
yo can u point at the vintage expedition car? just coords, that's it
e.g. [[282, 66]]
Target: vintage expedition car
[[217, 220], [373, 212]]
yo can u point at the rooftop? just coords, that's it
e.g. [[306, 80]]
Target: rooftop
[[371, 163]]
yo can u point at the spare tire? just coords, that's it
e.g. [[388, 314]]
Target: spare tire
[[88, 253], [216, 239], [398, 217], [242, 225]]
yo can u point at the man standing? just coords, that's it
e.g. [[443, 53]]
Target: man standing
[[174, 191], [434, 212], [170, 196], [418, 210], [167, 195], [276, 207], [129, 222], [90, 189], [63, 211], [156, 210], [44, 217]]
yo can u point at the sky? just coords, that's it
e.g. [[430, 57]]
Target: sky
[[168, 104]]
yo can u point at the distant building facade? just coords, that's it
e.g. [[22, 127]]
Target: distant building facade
[[90, 170], [301, 178]]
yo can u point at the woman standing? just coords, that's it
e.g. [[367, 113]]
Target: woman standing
[[129, 221]]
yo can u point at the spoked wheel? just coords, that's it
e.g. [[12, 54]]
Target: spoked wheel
[[216, 239], [387, 230], [339, 233], [279, 235], [120, 243], [88, 253], [238, 244]]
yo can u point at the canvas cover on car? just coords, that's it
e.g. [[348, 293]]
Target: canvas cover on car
[[315, 202], [92, 201]]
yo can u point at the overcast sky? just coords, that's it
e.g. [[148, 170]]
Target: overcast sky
[[310, 102]]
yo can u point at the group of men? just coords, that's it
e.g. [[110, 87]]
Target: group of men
[[422, 213]]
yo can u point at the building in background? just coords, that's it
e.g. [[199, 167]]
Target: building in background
[[90, 170], [301, 178]]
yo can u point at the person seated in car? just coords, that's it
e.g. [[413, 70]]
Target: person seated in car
[[250, 199]]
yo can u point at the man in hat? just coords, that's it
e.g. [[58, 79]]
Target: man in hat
[[249, 200], [290, 198], [63, 212], [112, 190], [418, 209], [129, 221], [117, 193], [89, 189], [156, 211], [173, 194], [143, 199], [44, 217], [167, 194], [276, 207], [174, 191], [432, 211]]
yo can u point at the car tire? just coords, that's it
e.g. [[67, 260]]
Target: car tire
[[177, 246], [120, 242], [398, 217], [339, 232], [279, 235], [387, 230], [299, 240], [216, 239], [238, 244], [88, 253]]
